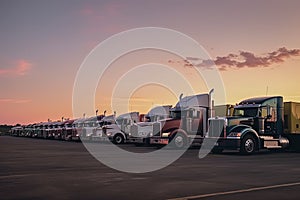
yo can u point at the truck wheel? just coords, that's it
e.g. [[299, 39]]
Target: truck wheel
[[118, 139], [248, 145], [179, 141]]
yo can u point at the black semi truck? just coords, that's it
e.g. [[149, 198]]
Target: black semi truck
[[258, 123]]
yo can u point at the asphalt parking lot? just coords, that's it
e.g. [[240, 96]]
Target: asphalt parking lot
[[49, 169]]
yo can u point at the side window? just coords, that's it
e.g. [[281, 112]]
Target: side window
[[297, 112], [190, 113], [263, 112]]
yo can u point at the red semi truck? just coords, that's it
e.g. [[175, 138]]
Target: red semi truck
[[188, 123]]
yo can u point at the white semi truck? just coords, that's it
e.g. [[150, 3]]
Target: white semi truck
[[140, 133], [118, 132]]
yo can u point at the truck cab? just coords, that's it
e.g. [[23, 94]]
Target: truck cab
[[57, 130], [77, 129], [99, 132], [67, 129], [140, 132], [89, 127], [118, 132], [187, 123]]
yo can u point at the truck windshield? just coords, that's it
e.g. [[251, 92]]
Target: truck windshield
[[245, 112], [180, 114]]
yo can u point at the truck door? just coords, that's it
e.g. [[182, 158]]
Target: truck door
[[197, 122], [270, 121]]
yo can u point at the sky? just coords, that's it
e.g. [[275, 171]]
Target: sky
[[255, 46]]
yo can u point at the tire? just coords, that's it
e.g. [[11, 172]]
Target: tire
[[217, 150], [118, 139], [179, 141], [248, 145]]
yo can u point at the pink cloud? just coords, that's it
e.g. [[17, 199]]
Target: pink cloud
[[247, 59], [101, 17], [20, 68], [104, 12], [87, 11], [14, 101]]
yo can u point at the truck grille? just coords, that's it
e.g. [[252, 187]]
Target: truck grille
[[156, 129], [134, 130], [216, 127]]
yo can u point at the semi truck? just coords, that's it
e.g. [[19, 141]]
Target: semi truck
[[118, 132], [16, 131], [98, 131], [77, 129], [37, 130], [89, 127], [67, 129], [257, 123], [140, 132], [57, 130], [188, 123]]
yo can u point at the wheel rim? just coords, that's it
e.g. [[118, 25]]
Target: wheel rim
[[118, 139], [249, 145], [179, 142]]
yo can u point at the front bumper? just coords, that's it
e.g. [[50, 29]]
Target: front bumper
[[100, 138], [85, 138], [137, 140], [75, 138], [159, 140]]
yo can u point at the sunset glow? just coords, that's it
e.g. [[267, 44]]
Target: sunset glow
[[255, 45]]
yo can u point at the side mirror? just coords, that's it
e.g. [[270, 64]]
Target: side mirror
[[269, 111]]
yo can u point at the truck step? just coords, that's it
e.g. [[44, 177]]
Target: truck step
[[273, 147], [270, 144]]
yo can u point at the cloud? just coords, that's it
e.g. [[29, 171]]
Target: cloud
[[14, 101], [102, 18], [20, 68], [87, 11], [247, 59], [102, 12]]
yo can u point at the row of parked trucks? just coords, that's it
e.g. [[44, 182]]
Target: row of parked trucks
[[249, 126]]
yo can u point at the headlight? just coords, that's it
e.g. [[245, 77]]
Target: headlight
[[165, 135], [109, 134], [235, 134]]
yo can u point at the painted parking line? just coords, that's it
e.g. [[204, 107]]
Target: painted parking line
[[15, 176], [236, 191]]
